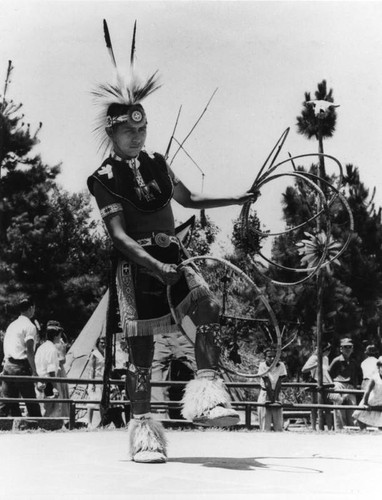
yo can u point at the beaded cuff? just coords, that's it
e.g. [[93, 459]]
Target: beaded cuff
[[111, 209]]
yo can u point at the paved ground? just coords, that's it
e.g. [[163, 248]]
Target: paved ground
[[203, 464]]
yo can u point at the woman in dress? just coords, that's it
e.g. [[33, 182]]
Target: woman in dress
[[97, 366], [372, 398]]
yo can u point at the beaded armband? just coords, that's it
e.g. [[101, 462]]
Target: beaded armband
[[111, 209]]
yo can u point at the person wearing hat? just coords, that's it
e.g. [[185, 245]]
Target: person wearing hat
[[19, 345], [271, 415], [134, 190], [48, 365], [369, 365], [346, 375], [371, 400]]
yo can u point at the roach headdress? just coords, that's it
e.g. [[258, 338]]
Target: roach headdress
[[121, 101]]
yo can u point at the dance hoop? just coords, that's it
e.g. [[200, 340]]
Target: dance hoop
[[239, 275]]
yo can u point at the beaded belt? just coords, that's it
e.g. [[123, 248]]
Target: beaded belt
[[161, 240]]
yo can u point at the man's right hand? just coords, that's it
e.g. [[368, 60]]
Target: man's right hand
[[169, 273]]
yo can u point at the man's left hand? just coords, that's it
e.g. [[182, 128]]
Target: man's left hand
[[249, 196]]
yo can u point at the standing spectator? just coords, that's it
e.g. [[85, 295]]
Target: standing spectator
[[97, 367], [345, 374], [372, 397], [369, 365], [311, 366], [48, 365], [60, 409], [270, 393], [1, 347], [62, 387], [168, 348], [19, 345]]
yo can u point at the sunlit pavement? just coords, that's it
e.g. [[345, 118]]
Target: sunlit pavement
[[203, 464]]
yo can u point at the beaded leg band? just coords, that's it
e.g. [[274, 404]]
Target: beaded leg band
[[207, 350], [139, 388]]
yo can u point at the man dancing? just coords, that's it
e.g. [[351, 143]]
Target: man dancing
[[134, 190]]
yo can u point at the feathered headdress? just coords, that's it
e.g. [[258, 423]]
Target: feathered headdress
[[127, 90]]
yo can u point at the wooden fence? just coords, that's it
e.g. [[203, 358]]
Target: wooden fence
[[291, 410]]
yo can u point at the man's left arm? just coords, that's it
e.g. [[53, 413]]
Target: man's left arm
[[29, 344], [191, 199], [282, 377]]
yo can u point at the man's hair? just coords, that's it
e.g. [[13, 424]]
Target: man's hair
[[117, 109], [23, 303], [371, 350], [53, 328]]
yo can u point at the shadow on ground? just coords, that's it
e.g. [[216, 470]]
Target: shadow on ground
[[245, 463]]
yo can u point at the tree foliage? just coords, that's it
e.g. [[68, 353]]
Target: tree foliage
[[50, 245], [353, 290], [308, 124]]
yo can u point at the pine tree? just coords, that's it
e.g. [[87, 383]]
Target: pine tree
[[50, 246]]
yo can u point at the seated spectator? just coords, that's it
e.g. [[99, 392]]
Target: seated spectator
[[48, 365], [345, 374], [372, 398], [271, 414], [369, 365], [311, 366]]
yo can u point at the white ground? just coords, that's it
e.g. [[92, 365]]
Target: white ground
[[203, 464]]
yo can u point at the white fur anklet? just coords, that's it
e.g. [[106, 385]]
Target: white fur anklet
[[206, 401], [147, 440]]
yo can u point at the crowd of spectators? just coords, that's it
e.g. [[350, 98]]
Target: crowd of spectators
[[27, 349]]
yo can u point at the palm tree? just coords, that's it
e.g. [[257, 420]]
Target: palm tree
[[318, 125], [318, 120]]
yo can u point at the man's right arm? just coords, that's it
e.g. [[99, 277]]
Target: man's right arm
[[334, 368], [115, 224], [310, 364]]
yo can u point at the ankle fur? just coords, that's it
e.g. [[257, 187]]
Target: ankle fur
[[203, 394], [146, 434]]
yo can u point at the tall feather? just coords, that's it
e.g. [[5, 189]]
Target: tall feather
[[108, 43], [132, 52]]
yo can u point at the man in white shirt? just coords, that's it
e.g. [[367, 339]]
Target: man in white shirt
[[19, 346], [48, 365]]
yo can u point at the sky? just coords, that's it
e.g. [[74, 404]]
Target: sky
[[261, 56]]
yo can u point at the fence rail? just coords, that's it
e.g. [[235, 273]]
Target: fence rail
[[247, 405]]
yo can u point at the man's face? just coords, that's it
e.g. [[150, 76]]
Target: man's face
[[57, 338], [269, 357], [346, 350], [129, 138], [31, 311]]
